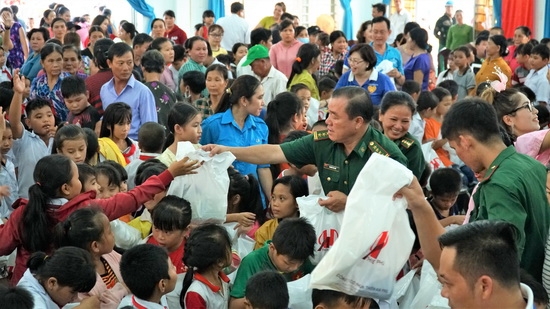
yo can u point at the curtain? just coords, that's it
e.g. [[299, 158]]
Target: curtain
[[547, 20], [497, 12], [347, 23], [218, 7], [142, 7], [516, 13], [387, 2]]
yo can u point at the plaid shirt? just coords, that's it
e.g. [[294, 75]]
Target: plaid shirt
[[328, 61], [205, 106]]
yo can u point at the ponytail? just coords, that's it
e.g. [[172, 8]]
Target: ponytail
[[248, 188], [50, 173], [180, 114], [187, 280], [80, 229], [279, 114], [254, 203], [306, 54], [244, 86], [504, 103]]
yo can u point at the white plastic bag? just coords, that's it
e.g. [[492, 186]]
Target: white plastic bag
[[326, 223], [299, 293], [242, 244], [431, 156], [406, 289], [126, 236], [206, 190], [429, 293], [375, 239]]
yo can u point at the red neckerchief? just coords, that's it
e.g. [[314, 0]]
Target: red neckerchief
[[145, 157], [130, 152], [139, 306]]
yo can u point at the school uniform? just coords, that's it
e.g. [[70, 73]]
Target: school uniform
[[138, 303], [265, 232], [8, 178], [132, 167], [204, 295], [538, 82], [5, 74], [114, 207], [417, 126], [40, 297], [512, 190]]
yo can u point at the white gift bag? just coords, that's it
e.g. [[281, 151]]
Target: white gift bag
[[429, 293], [242, 244], [406, 289], [431, 156], [375, 239], [299, 293], [326, 223], [206, 190]]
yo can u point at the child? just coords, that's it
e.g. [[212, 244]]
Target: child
[[463, 75], [326, 87], [54, 280], [266, 290], [425, 108], [108, 180], [536, 80], [8, 180], [29, 147], [114, 143], [244, 202], [92, 149], [286, 254], [329, 299], [445, 185], [412, 88], [81, 112], [452, 87], [207, 253], [70, 141], [16, 298], [320, 125], [284, 192], [523, 52], [432, 132], [5, 72], [307, 62], [306, 170], [184, 123], [179, 60], [447, 74], [151, 138], [123, 175], [88, 228], [149, 274], [303, 92], [87, 177], [192, 84]]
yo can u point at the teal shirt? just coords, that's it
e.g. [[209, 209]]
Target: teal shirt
[[191, 65], [412, 149], [337, 170], [257, 261], [513, 190]]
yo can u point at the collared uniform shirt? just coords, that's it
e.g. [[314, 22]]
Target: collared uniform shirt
[[137, 303], [538, 82], [377, 85], [412, 149], [204, 295], [40, 297]]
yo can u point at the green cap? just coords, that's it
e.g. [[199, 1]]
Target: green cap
[[256, 52]]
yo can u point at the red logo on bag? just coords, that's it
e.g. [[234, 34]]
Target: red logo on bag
[[435, 163], [327, 239], [378, 245]]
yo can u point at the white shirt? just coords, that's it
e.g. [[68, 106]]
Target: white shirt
[[244, 69], [236, 30], [28, 150], [417, 127], [273, 84], [40, 297], [527, 293], [397, 23], [129, 300], [538, 82]]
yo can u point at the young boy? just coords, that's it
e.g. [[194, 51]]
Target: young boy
[[179, 61], [151, 138], [452, 87], [149, 274], [445, 185], [29, 147], [266, 290], [425, 108], [537, 80], [412, 88], [81, 112], [5, 72], [329, 299], [191, 85], [523, 54], [286, 254], [8, 180], [326, 87]]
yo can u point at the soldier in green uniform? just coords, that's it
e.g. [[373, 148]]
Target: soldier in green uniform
[[512, 188], [339, 153], [396, 111]]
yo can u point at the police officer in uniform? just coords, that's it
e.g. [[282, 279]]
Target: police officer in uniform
[[339, 153]]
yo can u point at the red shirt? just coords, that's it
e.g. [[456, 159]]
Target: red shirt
[[176, 35], [93, 85], [175, 256]]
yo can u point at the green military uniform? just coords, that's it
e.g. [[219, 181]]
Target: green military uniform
[[337, 170], [412, 149], [513, 190]]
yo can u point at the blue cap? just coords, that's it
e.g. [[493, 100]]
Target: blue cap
[[449, 3]]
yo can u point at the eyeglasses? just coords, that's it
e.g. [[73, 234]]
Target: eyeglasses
[[216, 35], [528, 105], [355, 61]]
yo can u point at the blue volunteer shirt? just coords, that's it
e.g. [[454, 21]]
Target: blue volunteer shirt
[[377, 85]]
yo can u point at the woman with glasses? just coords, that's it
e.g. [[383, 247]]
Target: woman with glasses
[[363, 74], [215, 35]]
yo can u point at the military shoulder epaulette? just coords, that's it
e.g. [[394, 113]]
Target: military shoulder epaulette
[[407, 142], [376, 147], [320, 135]]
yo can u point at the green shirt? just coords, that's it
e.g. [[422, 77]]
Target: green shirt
[[337, 170], [257, 261], [191, 65], [412, 149], [513, 190], [459, 35]]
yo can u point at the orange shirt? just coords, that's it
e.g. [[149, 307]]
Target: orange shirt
[[432, 132]]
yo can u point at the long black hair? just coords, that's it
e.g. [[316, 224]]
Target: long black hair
[[243, 86], [180, 114], [80, 229], [306, 54], [248, 189]]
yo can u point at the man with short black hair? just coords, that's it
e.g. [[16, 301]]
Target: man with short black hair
[[378, 9], [481, 45], [173, 32], [236, 28], [381, 32]]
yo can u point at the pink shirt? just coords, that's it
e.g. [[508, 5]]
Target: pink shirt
[[283, 57], [530, 144], [168, 79]]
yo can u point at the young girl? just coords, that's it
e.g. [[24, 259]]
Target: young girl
[[447, 74], [123, 175], [166, 48], [114, 143], [307, 62], [89, 229], [8, 180], [463, 76], [87, 177], [108, 180], [54, 280], [432, 130], [244, 202], [70, 141], [284, 192], [184, 123], [56, 193], [304, 94], [239, 51], [92, 147], [207, 253]]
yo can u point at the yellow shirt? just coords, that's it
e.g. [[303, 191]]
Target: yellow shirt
[[267, 22], [306, 79], [486, 72], [220, 51], [265, 232]]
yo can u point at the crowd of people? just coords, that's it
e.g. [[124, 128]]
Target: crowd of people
[[93, 113]]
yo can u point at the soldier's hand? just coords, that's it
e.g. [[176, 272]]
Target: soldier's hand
[[336, 201], [214, 149]]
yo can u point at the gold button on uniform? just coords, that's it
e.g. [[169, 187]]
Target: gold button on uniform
[[346, 162], [328, 178], [345, 182]]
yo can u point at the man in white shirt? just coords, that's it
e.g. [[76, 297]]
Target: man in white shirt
[[272, 80], [398, 20], [235, 26], [257, 36]]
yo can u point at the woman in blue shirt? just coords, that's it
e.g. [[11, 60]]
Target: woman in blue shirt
[[363, 74], [236, 123], [37, 38], [418, 67]]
